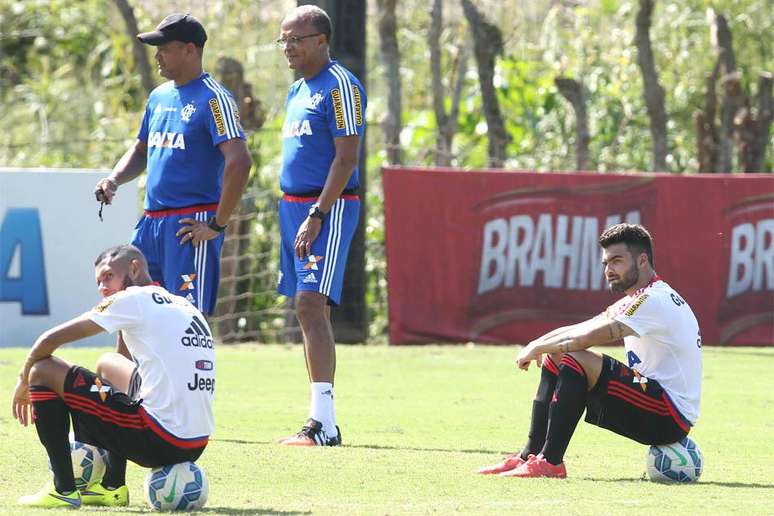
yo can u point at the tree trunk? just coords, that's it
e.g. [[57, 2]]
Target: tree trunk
[[446, 122], [732, 95], [443, 145], [572, 90], [391, 54], [707, 137], [654, 93], [488, 44], [141, 61], [752, 132], [350, 319]]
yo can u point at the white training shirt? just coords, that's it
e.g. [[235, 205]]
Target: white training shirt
[[667, 344], [172, 346]]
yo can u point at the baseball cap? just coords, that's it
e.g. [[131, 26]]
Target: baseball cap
[[176, 27]]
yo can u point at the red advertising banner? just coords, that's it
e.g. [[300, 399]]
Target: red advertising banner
[[503, 257]]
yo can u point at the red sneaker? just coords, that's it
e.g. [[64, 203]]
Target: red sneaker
[[537, 467], [508, 463]]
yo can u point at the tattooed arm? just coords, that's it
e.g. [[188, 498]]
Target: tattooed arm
[[599, 330]]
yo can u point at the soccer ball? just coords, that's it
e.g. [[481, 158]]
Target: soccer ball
[[677, 462], [179, 487], [88, 463]]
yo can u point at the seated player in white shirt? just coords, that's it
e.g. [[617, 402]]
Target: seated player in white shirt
[[170, 422], [653, 400]]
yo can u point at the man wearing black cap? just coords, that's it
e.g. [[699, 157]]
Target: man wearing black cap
[[193, 145]]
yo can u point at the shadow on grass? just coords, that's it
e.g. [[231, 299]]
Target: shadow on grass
[[238, 441], [746, 485], [375, 447], [230, 510], [223, 510], [409, 448]]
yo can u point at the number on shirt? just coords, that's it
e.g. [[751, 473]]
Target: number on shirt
[[632, 357]]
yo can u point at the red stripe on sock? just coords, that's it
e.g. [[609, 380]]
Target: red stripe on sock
[[571, 362], [549, 364], [43, 396]]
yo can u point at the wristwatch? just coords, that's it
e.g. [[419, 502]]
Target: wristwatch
[[316, 212], [213, 225]]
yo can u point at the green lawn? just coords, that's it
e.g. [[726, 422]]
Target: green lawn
[[417, 422]]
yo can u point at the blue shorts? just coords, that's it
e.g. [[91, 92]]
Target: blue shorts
[[184, 270], [323, 270]]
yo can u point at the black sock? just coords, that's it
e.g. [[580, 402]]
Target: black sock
[[115, 471], [539, 422], [52, 421], [566, 408]]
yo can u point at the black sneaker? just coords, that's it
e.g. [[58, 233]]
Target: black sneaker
[[312, 434]]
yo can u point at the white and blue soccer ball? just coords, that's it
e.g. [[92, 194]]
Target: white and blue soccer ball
[[179, 487], [88, 463], [677, 462]]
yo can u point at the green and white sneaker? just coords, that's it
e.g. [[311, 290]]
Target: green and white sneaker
[[96, 494], [50, 498]]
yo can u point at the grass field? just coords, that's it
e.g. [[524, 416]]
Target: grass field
[[417, 422]]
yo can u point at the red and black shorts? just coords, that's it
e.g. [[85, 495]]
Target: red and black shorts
[[110, 419], [634, 406]]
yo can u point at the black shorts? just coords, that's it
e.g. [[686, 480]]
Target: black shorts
[[110, 419], [634, 406]]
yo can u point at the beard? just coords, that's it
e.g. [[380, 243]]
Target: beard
[[628, 280]]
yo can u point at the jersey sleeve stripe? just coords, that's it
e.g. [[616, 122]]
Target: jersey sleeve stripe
[[225, 107], [350, 99], [342, 90], [346, 99], [229, 109]]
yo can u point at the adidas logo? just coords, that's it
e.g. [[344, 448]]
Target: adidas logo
[[310, 278], [197, 335], [79, 381]]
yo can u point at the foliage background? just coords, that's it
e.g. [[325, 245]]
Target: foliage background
[[70, 97]]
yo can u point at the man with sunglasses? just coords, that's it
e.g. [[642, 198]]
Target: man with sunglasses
[[319, 211], [193, 145]]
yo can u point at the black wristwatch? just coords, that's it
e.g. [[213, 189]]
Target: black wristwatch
[[316, 212], [213, 225]]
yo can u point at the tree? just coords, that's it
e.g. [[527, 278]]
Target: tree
[[572, 90], [141, 62], [487, 45], [446, 122], [654, 93], [391, 55], [740, 124]]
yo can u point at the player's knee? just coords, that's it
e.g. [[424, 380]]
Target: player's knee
[[40, 373], [310, 308], [103, 364]]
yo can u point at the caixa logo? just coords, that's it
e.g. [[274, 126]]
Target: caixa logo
[[22, 268]]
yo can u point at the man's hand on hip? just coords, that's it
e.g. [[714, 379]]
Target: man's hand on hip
[[196, 231], [307, 233]]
